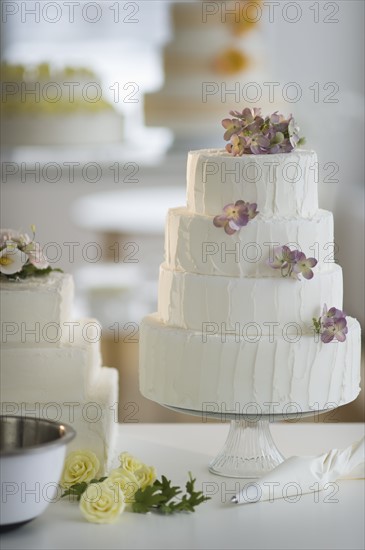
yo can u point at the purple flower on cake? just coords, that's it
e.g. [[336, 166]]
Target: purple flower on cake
[[237, 145], [292, 262], [232, 127], [250, 119], [332, 325], [235, 216], [302, 265], [281, 258], [333, 314], [336, 330], [21, 256], [249, 133], [258, 144]]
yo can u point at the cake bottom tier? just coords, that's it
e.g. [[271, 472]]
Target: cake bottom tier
[[223, 372], [94, 417]]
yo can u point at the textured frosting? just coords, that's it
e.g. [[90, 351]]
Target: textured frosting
[[188, 300], [194, 244], [230, 332], [57, 375], [46, 372], [281, 185], [188, 369], [94, 416], [42, 300]]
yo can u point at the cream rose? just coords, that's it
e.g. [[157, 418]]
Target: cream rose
[[102, 503], [129, 462], [146, 475], [79, 466], [126, 481]]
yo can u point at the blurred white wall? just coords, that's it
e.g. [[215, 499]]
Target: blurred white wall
[[325, 61]]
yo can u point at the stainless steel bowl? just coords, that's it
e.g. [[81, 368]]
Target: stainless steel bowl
[[21, 435], [32, 453]]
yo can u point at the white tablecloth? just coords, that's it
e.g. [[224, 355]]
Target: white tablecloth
[[332, 519]]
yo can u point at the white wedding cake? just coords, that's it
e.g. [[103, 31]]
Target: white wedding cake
[[51, 364], [230, 331]]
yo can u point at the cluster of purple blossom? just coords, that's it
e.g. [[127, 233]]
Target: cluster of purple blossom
[[332, 325], [292, 262], [235, 216], [250, 133]]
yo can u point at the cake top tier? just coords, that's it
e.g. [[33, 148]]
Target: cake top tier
[[282, 185]]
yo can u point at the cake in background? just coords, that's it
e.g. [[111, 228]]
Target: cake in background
[[48, 106], [250, 297], [210, 55], [50, 362]]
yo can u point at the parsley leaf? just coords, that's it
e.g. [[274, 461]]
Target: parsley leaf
[[78, 489], [147, 499], [161, 497]]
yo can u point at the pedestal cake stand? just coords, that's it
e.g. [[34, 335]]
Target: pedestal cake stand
[[249, 450]]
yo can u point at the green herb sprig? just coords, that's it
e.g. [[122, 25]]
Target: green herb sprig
[[317, 325], [161, 497], [78, 489]]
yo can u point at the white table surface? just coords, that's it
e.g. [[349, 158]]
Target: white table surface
[[177, 448]]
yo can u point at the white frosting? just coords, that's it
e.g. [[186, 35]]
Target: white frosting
[[188, 300], [55, 372], [188, 369], [35, 304], [64, 373], [194, 244], [230, 331], [94, 417], [281, 185]]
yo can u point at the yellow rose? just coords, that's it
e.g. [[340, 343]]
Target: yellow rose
[[146, 475], [101, 503], [126, 481], [129, 462], [79, 466]]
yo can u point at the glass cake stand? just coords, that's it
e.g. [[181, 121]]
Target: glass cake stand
[[249, 450]]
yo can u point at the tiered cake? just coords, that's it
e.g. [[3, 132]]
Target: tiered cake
[[206, 62], [45, 106], [51, 364], [230, 331]]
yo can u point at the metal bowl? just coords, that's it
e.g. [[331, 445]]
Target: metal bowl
[[32, 453]]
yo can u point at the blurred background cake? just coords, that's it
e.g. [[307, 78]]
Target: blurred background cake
[[212, 58], [48, 106]]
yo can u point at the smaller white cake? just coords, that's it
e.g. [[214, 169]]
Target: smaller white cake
[[51, 363]]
